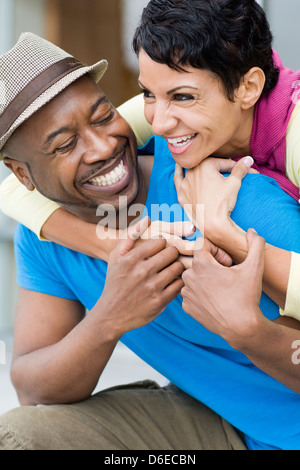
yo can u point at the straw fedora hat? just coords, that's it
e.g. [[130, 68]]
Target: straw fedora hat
[[32, 73]]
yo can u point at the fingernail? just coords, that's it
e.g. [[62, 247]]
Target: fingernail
[[252, 230], [190, 227], [248, 161]]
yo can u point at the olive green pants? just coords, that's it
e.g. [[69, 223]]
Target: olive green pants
[[140, 416]]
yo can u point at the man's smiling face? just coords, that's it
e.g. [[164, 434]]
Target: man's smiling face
[[78, 150]]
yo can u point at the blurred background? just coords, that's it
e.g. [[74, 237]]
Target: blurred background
[[92, 30]]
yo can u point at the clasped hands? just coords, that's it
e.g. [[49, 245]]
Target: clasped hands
[[222, 297]]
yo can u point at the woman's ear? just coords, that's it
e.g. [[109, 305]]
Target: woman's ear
[[251, 87], [21, 171]]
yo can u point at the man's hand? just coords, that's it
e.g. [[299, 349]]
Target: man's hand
[[140, 282], [218, 253], [226, 299]]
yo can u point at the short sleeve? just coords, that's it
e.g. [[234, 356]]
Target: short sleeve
[[293, 147], [292, 305], [36, 268], [29, 208]]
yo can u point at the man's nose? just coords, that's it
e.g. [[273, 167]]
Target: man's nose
[[99, 148], [163, 119]]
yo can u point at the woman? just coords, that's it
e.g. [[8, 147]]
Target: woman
[[222, 49], [229, 96]]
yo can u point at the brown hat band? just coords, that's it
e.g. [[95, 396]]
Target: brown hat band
[[34, 89]]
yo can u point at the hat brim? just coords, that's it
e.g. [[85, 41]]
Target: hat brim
[[96, 71]]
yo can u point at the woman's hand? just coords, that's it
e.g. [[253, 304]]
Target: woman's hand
[[207, 196], [174, 234]]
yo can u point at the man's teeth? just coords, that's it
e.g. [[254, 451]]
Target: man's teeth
[[110, 178], [181, 141]]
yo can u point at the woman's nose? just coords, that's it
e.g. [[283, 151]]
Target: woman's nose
[[162, 120]]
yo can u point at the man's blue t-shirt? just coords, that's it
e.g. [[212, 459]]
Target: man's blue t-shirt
[[191, 357]]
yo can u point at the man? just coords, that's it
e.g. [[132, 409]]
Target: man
[[59, 355]]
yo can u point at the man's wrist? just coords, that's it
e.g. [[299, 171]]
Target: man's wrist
[[251, 337], [103, 323]]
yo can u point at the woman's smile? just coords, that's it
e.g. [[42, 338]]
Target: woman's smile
[[179, 145]]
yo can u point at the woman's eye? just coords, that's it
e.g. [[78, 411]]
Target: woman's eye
[[147, 94], [183, 97]]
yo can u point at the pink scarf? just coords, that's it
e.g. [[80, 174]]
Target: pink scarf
[[271, 119]]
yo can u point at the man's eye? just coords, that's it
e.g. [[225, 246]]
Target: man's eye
[[104, 119], [67, 147]]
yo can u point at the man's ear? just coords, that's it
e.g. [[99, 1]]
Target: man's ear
[[21, 171], [251, 87]]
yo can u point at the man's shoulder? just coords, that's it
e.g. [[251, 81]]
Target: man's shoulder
[[52, 269], [38, 259], [28, 245], [27, 241]]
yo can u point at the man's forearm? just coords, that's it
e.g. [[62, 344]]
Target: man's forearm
[[273, 349], [226, 302], [66, 371]]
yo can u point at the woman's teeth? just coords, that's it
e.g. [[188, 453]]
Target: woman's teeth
[[110, 178], [181, 141]]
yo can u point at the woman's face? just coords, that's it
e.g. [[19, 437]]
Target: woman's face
[[192, 112]]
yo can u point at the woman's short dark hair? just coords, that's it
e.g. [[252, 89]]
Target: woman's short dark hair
[[226, 37]]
